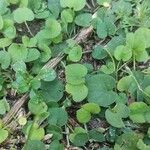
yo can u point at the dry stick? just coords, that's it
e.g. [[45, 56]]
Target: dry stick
[[84, 33]]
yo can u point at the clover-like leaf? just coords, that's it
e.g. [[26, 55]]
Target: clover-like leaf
[[35, 145], [83, 116], [37, 132], [53, 28], [139, 112], [84, 19], [79, 137], [75, 74], [92, 108], [23, 14], [75, 54], [52, 91], [47, 74], [123, 53], [5, 42], [124, 83], [37, 107], [58, 116], [9, 29], [19, 66], [78, 92], [99, 53], [33, 54], [100, 89], [114, 116], [142, 146], [17, 52], [131, 138], [67, 16], [109, 68], [75, 4]]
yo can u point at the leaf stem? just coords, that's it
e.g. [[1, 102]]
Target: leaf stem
[[28, 29]]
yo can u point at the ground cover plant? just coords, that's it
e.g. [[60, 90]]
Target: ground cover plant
[[75, 74]]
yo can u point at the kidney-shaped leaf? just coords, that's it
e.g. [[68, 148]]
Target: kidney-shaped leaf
[[23, 14]]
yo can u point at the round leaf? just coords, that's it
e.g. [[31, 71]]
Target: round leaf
[[23, 14], [75, 4], [84, 19], [75, 54], [78, 92], [83, 115], [123, 53]]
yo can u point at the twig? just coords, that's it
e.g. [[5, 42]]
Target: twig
[[28, 29]]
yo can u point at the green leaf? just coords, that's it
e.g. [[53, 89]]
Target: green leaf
[[103, 2], [75, 74], [52, 91], [33, 54], [114, 116], [55, 145], [3, 7], [99, 53], [1, 22], [123, 53], [83, 116], [19, 66], [37, 133], [54, 7], [53, 28], [75, 54], [79, 137], [5, 59], [9, 29], [75, 4], [67, 15], [146, 35], [23, 14], [4, 106], [46, 53], [100, 89], [137, 45], [139, 112], [78, 92], [35, 145], [56, 131], [58, 116], [142, 146], [17, 52], [114, 119], [109, 68], [3, 135], [124, 83], [92, 108], [5, 42], [47, 74], [37, 107], [96, 135], [83, 20], [130, 138], [101, 29]]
